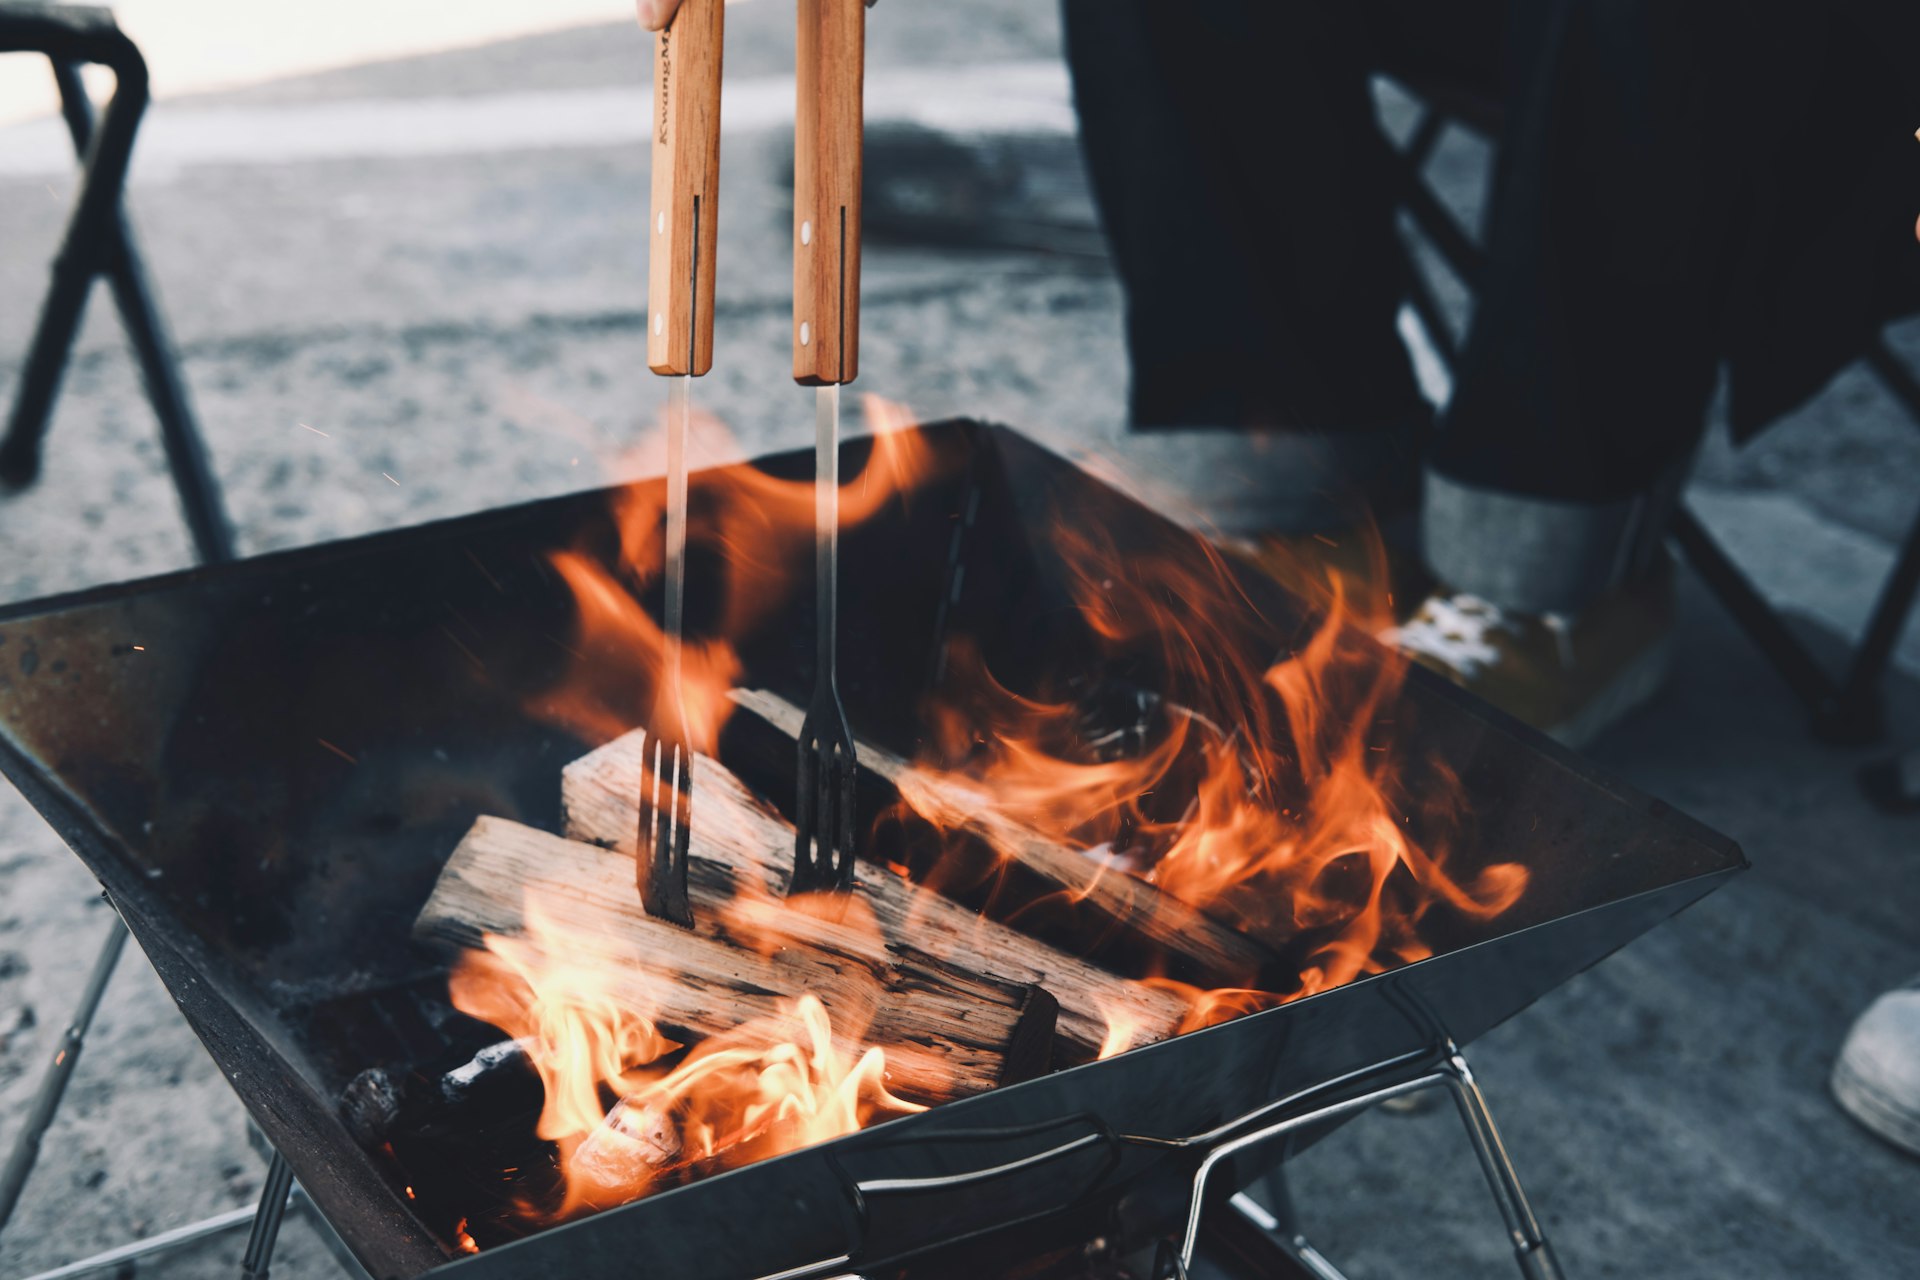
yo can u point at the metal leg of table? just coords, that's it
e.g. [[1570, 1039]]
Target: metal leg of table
[[53, 1086]]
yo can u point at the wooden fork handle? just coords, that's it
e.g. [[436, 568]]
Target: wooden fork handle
[[686, 189], [830, 64]]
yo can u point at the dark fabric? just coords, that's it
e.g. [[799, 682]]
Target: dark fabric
[[1247, 199], [1610, 234], [1830, 253], [1679, 182]]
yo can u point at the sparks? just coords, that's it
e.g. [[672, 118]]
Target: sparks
[[317, 431], [396, 482], [337, 751]]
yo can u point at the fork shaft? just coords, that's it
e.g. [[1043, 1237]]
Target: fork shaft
[[679, 422], [826, 531]]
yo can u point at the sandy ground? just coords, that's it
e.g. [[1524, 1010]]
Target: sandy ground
[[469, 324]]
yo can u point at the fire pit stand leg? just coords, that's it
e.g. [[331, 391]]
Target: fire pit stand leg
[[1530, 1247], [53, 1086], [266, 1222]]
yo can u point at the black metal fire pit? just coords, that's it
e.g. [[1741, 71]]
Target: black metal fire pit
[[267, 764]]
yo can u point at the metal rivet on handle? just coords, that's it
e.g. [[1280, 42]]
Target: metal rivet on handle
[[806, 233], [660, 322], [803, 333], [660, 224]]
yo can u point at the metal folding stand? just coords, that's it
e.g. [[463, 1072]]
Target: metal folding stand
[[99, 242], [1846, 709], [1241, 1232]]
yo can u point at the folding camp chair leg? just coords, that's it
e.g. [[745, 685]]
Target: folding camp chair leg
[[99, 241]]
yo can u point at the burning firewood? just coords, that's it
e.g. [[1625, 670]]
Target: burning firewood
[[948, 1032], [1207, 948], [1099, 1010]]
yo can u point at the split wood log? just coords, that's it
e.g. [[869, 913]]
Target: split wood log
[[1221, 954], [947, 1032], [599, 798]]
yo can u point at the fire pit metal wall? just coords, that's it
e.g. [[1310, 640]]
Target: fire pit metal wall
[[266, 765]]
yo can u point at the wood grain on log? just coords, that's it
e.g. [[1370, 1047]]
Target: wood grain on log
[[948, 1032], [598, 798], [1224, 956]]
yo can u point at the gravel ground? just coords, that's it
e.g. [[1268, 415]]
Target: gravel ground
[[376, 342]]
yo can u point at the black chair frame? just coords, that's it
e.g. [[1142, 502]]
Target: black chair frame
[[99, 242]]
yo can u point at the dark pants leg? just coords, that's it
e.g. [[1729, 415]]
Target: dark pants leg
[[1247, 196], [1584, 382], [1243, 185]]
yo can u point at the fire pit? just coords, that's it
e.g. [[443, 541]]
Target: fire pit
[[270, 766]]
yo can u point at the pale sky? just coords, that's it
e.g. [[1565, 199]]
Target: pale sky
[[192, 45]]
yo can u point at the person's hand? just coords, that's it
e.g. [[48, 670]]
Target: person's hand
[[655, 14]]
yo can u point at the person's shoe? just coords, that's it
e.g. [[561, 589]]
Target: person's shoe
[[1572, 677], [1876, 1078]]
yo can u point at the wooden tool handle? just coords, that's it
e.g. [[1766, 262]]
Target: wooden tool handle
[[831, 62], [686, 190]]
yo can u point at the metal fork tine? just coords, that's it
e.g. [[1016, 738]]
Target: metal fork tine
[[848, 779], [666, 818]]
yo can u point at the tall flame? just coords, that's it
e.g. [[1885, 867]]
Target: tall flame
[[1271, 794], [758, 527]]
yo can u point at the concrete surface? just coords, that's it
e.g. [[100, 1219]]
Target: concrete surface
[[469, 324]]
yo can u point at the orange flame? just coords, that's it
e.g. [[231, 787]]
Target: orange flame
[[1276, 795], [769, 1086], [758, 526], [1271, 794]]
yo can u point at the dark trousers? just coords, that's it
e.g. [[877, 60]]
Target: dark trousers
[[1247, 194]]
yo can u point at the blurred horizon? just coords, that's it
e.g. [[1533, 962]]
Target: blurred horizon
[[201, 46]]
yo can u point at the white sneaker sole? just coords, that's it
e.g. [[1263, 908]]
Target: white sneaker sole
[[1629, 690], [1876, 1079], [1872, 1107]]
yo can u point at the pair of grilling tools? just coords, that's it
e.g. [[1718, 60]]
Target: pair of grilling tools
[[830, 64]]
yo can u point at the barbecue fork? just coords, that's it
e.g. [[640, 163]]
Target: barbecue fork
[[830, 62], [680, 260]]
